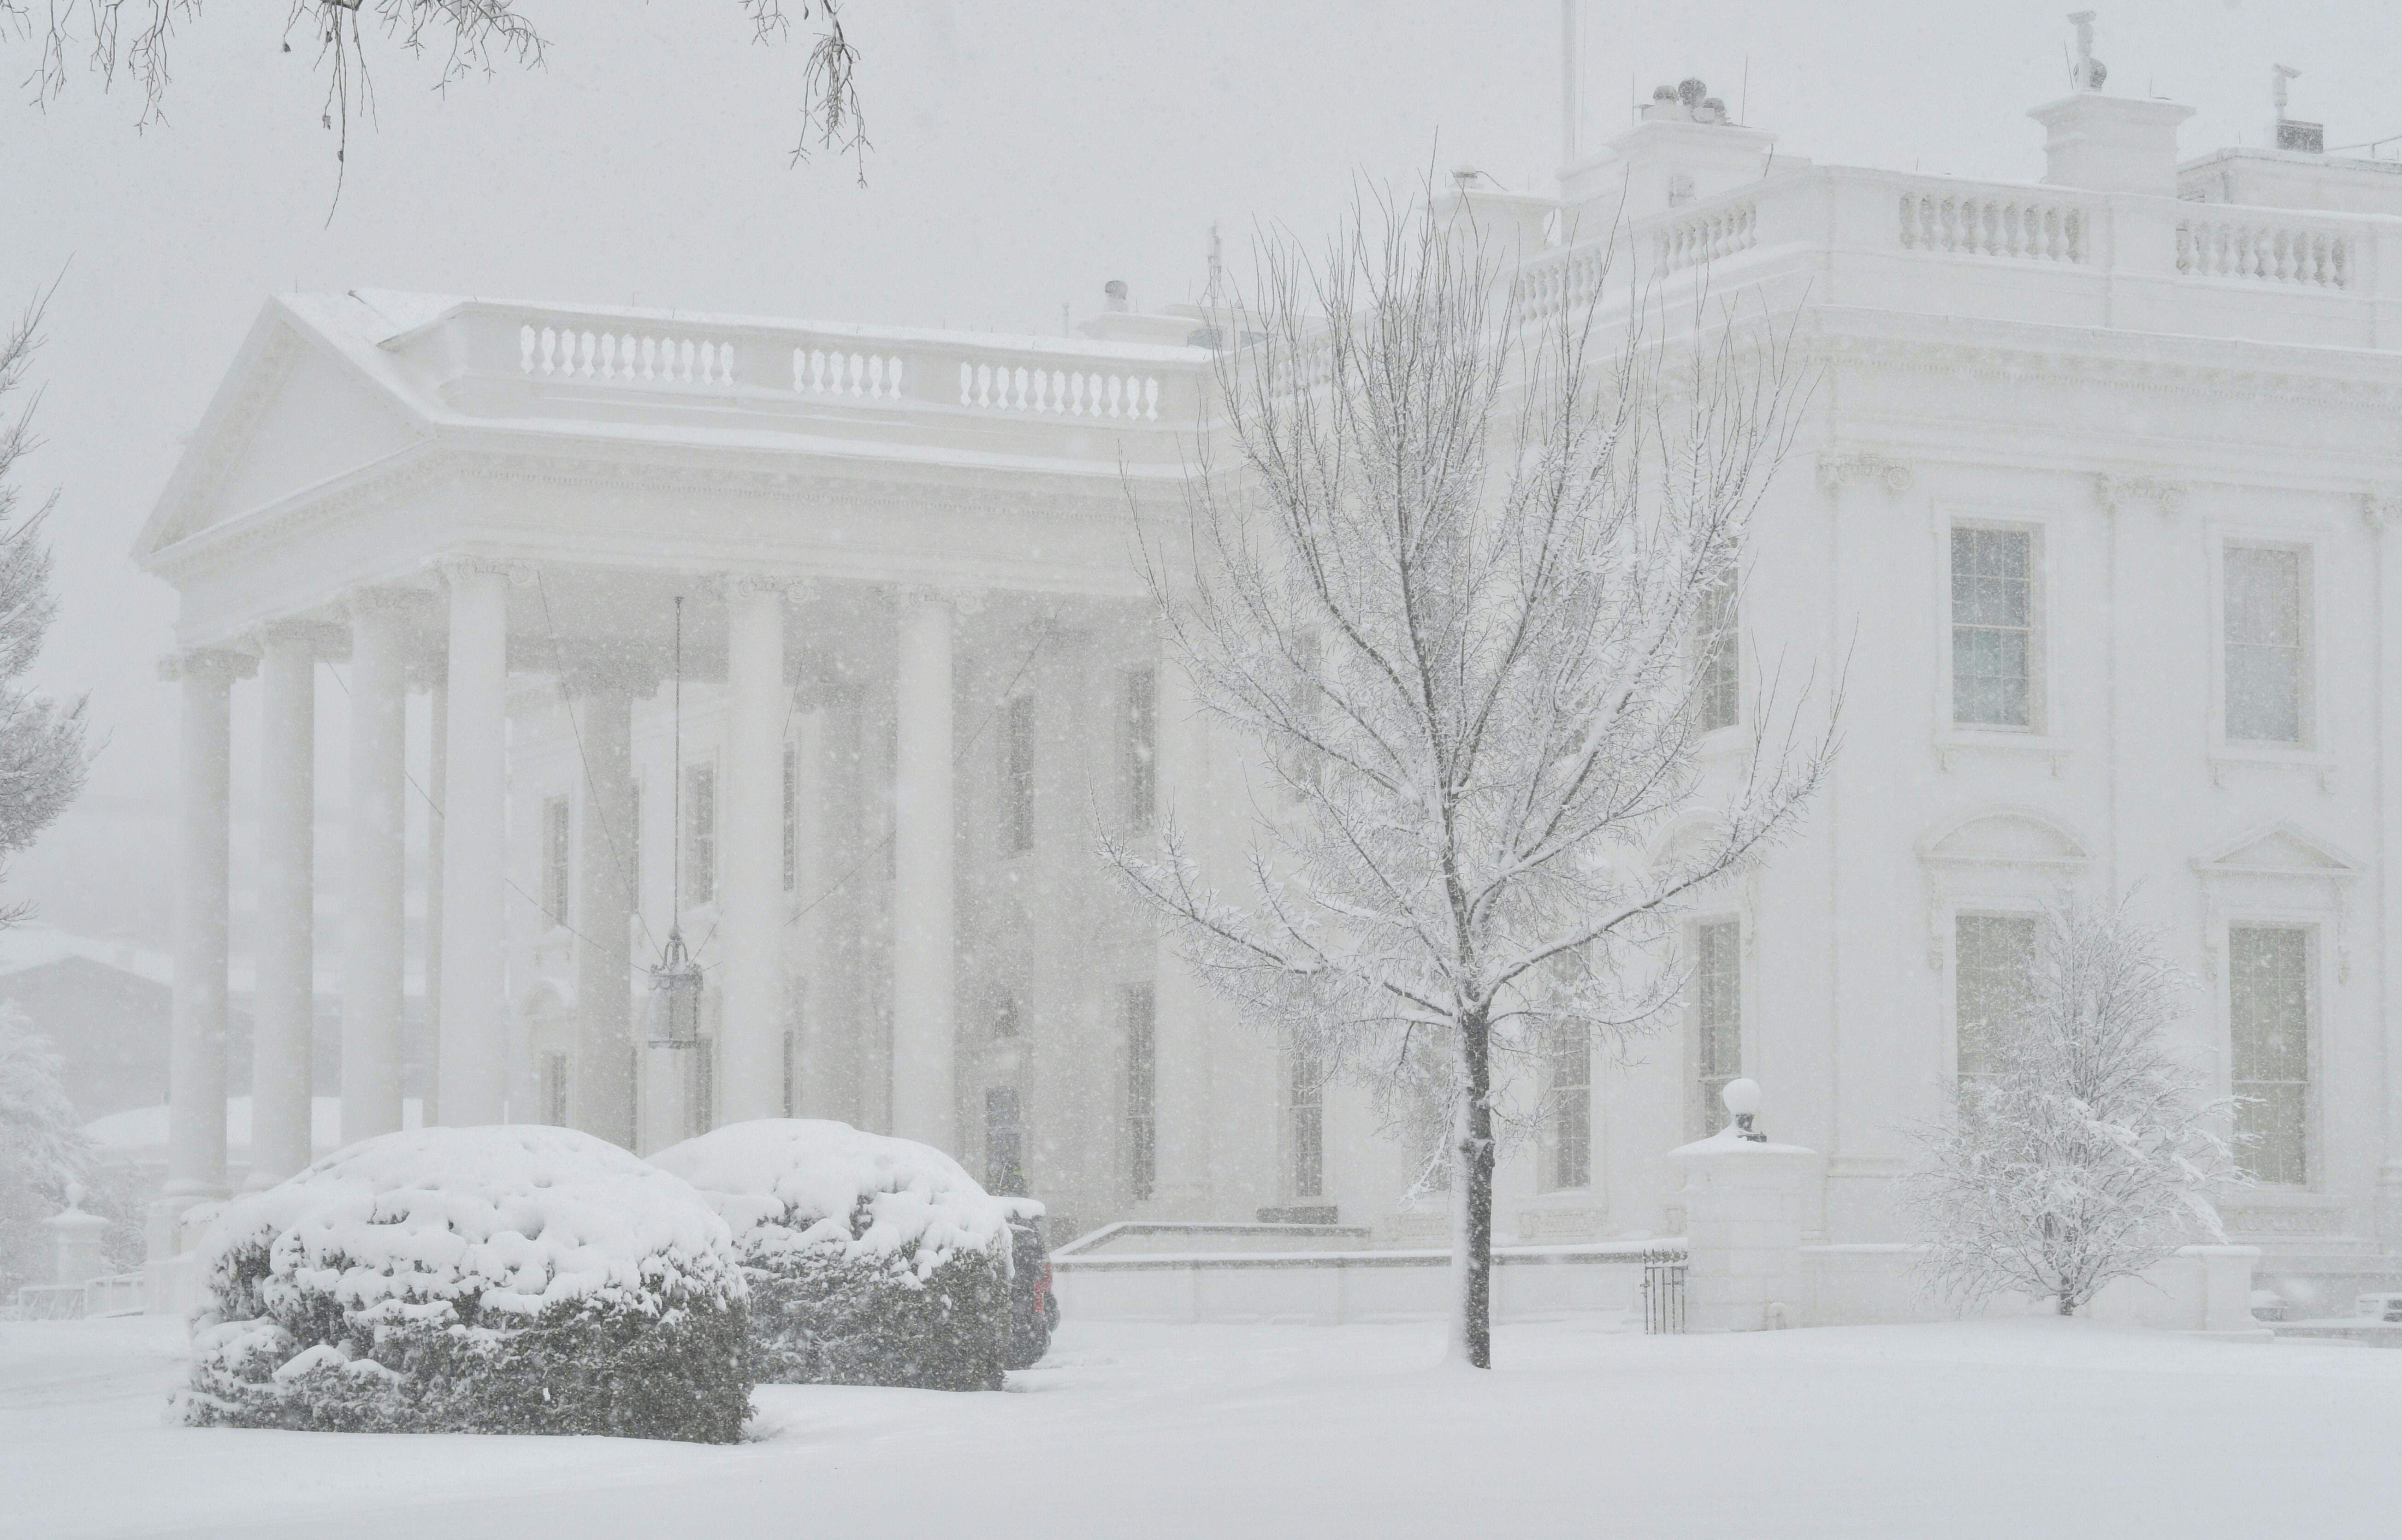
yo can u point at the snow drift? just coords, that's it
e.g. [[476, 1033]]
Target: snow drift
[[517, 1278], [871, 1260]]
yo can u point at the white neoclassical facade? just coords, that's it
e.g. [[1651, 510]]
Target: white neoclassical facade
[[2096, 499]]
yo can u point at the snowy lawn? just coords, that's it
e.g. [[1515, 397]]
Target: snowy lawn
[[2003, 1428]]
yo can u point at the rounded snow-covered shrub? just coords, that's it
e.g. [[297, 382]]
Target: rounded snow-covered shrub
[[517, 1278], [872, 1261]]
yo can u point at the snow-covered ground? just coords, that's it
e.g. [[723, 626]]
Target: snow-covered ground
[[2017, 1428]]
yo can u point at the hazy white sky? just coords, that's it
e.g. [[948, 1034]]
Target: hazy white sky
[[1024, 154]]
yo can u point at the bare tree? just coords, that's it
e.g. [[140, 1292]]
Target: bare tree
[[2087, 1152], [1449, 592], [41, 742], [133, 38]]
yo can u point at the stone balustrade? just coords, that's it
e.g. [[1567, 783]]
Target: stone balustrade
[[1130, 384]]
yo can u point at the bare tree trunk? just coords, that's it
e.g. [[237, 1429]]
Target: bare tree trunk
[[1471, 1189]]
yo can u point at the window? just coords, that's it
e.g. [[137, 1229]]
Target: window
[[700, 1088], [634, 850], [1018, 777], [1718, 1016], [2266, 616], [2269, 1032], [1304, 1127], [555, 836], [1004, 1015], [1715, 656], [554, 1087], [1142, 690], [1992, 962], [792, 1071], [1993, 628], [792, 840], [1567, 1145], [1142, 1089], [1004, 1142], [699, 834]]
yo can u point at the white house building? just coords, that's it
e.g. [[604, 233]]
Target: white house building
[[2096, 501]]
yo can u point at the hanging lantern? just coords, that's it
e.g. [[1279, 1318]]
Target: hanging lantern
[[675, 996]]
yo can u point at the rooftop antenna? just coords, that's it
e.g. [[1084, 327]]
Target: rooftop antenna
[[2292, 133], [1217, 267]]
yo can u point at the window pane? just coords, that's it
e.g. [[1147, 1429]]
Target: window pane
[[1717, 1015], [1142, 1090], [2269, 1037], [1992, 627], [1993, 964], [1306, 1128], [1718, 700], [1004, 1142], [1569, 1129], [1141, 745]]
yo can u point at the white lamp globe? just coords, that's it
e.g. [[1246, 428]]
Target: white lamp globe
[[1742, 1097]]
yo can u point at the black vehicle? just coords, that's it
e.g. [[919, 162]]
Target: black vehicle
[[1038, 1309]]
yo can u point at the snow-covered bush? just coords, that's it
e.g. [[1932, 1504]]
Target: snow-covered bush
[[42, 1149], [2084, 1151], [872, 1261], [515, 1279]]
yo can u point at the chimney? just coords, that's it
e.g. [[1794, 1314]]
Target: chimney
[[2107, 143], [1682, 147]]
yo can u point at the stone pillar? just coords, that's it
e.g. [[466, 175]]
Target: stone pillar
[[474, 881], [283, 1004], [1180, 757], [1746, 1206], [374, 910], [601, 1091], [196, 1112], [924, 1035], [750, 1032], [76, 1256], [2383, 514]]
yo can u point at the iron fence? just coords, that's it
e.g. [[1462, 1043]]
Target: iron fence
[[1664, 1292]]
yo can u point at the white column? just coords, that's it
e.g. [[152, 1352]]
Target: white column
[[2383, 515], [750, 1032], [374, 917], [600, 1089], [1179, 757], [924, 1038], [475, 882], [196, 1111], [284, 1001], [438, 766]]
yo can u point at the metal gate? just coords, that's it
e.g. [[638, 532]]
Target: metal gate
[[1664, 1292]]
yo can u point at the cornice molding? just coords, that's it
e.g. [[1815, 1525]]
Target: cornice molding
[[2037, 360], [2381, 510]]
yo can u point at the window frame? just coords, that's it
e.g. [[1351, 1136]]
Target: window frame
[[1702, 1118], [2039, 727], [1982, 908], [1019, 731], [1293, 1112], [2315, 982], [558, 859], [1727, 655], [1139, 1087], [1552, 1146], [1139, 739], [2309, 750]]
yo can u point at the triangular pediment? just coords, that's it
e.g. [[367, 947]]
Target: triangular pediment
[[2005, 837], [2278, 850], [293, 414]]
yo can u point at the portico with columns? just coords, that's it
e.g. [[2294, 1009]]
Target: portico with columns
[[698, 675]]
